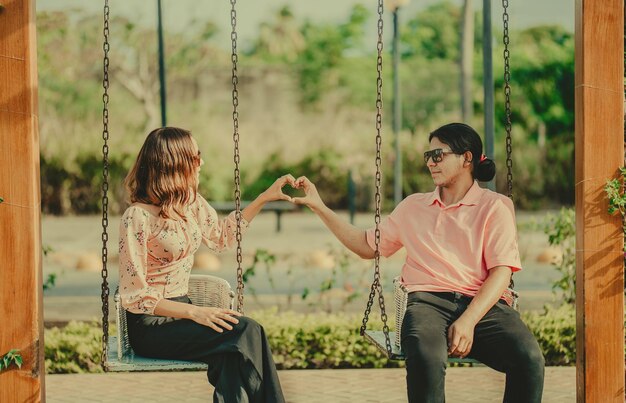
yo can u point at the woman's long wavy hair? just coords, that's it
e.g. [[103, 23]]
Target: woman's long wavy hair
[[164, 174]]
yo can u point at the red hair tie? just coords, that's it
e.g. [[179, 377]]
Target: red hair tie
[[482, 158]]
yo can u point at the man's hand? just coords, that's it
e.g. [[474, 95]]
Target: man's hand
[[311, 197], [461, 337]]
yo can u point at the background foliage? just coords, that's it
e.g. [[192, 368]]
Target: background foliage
[[307, 92]]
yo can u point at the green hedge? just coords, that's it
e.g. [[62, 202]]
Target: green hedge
[[317, 341], [75, 348], [555, 330], [312, 341]]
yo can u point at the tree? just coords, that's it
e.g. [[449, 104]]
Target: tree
[[542, 83], [280, 40], [433, 33], [324, 50]]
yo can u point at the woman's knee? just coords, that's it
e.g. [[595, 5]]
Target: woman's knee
[[247, 324]]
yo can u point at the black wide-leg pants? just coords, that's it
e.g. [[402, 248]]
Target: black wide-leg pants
[[240, 362], [501, 341]]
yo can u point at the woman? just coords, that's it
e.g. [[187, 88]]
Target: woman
[[159, 234]]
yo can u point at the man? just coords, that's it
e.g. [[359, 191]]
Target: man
[[461, 248]]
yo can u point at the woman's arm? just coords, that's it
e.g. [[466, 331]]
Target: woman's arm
[[352, 237], [215, 318], [221, 234], [272, 193]]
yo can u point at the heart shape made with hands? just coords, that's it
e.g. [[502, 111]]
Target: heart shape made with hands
[[290, 187]]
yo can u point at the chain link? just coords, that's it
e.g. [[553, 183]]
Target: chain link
[[376, 285], [507, 96], [105, 187], [507, 106], [235, 81]]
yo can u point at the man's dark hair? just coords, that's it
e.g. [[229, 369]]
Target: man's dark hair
[[461, 138]]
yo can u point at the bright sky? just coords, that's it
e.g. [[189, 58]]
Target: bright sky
[[250, 13]]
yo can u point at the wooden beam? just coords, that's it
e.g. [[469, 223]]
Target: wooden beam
[[599, 240], [20, 221]]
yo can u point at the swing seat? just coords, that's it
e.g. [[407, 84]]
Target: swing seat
[[204, 290], [401, 295]]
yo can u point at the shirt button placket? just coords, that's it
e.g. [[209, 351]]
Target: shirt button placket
[[438, 228]]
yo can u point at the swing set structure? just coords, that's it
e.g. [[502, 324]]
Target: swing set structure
[[599, 131]]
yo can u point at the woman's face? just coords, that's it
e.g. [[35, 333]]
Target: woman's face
[[199, 159]]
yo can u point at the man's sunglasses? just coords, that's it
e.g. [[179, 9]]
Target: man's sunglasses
[[436, 154]]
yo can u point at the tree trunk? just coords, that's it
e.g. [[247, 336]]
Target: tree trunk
[[467, 51]]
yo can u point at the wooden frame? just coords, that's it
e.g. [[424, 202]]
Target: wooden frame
[[599, 241], [599, 152], [21, 303]]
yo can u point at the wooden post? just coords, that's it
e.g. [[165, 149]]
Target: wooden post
[[599, 241], [21, 307]]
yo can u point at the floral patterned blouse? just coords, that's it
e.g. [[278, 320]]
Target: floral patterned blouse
[[156, 254]]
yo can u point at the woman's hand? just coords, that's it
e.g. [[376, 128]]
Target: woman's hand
[[311, 197], [216, 318], [275, 191]]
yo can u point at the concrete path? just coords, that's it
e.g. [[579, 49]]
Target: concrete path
[[463, 385]]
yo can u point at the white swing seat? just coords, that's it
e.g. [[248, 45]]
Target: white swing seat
[[204, 290], [401, 295]]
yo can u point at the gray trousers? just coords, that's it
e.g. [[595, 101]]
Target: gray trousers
[[240, 362], [501, 341]]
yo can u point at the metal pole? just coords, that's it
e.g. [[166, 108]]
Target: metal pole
[[161, 66], [351, 197], [397, 111], [488, 86]]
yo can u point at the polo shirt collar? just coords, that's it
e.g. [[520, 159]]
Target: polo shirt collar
[[471, 198]]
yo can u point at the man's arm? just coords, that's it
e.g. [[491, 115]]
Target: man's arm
[[350, 236], [461, 332]]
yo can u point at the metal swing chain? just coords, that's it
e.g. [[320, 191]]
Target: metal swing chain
[[105, 187], [507, 106], [507, 102], [376, 285], [235, 80]]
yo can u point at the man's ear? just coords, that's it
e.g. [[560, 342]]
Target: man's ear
[[468, 157]]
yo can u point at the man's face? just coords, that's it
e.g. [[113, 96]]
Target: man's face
[[445, 167]]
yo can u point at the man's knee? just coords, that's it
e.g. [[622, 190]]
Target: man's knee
[[420, 353], [529, 355]]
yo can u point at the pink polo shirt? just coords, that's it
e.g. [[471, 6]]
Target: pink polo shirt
[[451, 248]]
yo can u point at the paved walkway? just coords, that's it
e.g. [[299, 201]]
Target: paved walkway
[[463, 385]]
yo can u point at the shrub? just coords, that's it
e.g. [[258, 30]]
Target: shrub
[[54, 186], [319, 341], [561, 231], [311, 341], [555, 330], [76, 187], [73, 349]]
